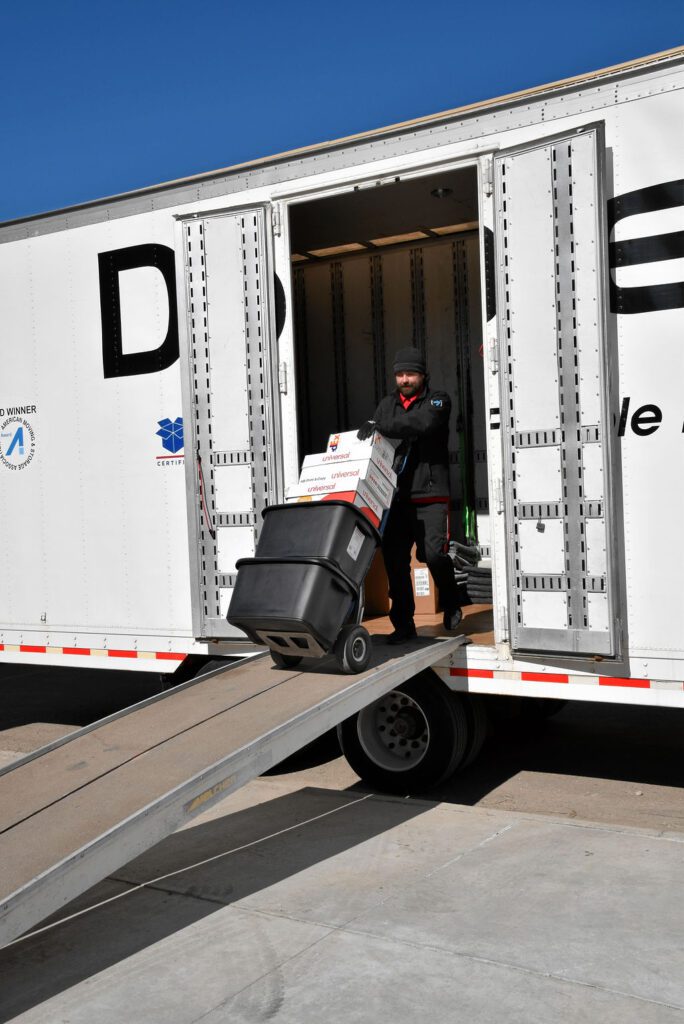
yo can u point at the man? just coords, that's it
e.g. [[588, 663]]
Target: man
[[419, 417]]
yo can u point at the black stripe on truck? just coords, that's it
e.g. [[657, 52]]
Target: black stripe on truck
[[654, 248]]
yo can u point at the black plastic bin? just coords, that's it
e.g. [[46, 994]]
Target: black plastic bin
[[301, 594], [333, 530], [278, 596]]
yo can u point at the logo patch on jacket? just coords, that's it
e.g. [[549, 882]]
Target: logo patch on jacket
[[437, 402]]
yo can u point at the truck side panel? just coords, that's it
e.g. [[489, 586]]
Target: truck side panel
[[95, 532]]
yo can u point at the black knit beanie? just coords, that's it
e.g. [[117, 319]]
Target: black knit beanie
[[410, 359]]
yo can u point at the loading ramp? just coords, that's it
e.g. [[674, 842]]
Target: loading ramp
[[84, 806]]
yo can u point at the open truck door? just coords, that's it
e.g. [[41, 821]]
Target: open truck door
[[227, 330], [555, 412]]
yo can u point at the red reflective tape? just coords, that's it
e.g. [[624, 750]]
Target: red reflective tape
[[542, 677], [642, 684], [161, 655], [476, 673]]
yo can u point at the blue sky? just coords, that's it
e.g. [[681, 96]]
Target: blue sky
[[100, 99]]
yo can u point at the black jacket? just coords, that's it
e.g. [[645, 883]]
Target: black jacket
[[422, 461]]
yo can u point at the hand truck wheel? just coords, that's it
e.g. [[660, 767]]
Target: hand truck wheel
[[353, 649], [284, 660]]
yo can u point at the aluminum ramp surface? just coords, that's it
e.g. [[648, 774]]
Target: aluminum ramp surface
[[89, 804]]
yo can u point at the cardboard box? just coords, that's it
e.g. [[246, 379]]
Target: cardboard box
[[379, 449], [363, 499], [347, 476], [376, 587], [425, 592], [326, 459]]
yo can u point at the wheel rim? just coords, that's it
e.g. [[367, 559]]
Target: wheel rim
[[394, 732], [358, 649]]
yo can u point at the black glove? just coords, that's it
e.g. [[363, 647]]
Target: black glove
[[366, 430]]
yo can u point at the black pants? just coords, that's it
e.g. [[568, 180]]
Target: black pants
[[426, 526]]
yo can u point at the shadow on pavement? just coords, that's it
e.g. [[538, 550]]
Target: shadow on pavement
[[600, 741], [31, 693], [247, 852]]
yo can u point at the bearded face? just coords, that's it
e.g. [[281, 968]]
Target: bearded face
[[409, 382]]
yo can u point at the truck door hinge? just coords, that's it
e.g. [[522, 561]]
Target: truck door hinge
[[498, 496], [493, 355], [488, 177], [282, 378], [276, 221]]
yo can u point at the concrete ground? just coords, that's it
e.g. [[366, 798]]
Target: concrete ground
[[304, 897]]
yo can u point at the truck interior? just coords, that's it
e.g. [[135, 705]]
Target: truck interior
[[376, 269]]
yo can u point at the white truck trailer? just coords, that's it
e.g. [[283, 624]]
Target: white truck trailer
[[170, 355]]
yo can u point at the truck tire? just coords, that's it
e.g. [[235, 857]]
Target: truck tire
[[478, 726], [408, 741]]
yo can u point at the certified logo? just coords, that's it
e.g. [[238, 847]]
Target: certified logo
[[17, 442], [171, 434]]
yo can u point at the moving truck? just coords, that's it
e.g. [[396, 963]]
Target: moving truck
[[171, 355]]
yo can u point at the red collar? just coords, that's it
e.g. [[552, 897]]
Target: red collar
[[408, 402]]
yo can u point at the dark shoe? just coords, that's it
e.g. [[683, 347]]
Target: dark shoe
[[401, 636], [452, 618]]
